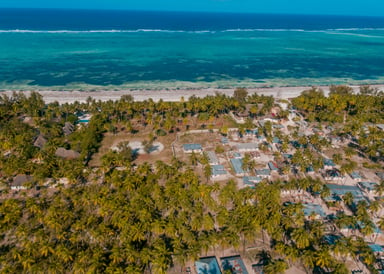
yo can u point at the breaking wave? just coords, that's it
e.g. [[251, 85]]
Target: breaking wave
[[185, 31]]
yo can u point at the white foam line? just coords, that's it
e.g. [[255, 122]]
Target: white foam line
[[184, 31]]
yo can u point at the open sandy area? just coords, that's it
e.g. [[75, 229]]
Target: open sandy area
[[168, 95], [138, 147]]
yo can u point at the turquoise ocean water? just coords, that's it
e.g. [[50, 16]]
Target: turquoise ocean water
[[42, 49]]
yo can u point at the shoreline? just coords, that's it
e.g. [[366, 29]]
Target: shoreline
[[171, 95]]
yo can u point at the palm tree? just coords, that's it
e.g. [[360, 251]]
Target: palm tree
[[340, 268], [348, 199], [245, 162], [348, 167], [343, 247], [323, 258], [291, 253], [264, 257], [337, 158], [361, 211], [301, 237], [193, 159], [229, 238], [304, 184], [315, 230], [380, 223], [286, 171], [374, 207], [325, 192], [161, 257], [345, 221], [308, 259], [379, 188], [367, 229], [349, 152], [207, 172], [276, 266], [227, 192]]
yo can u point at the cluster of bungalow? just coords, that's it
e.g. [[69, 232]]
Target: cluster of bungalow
[[314, 207], [235, 158], [217, 170], [231, 264]]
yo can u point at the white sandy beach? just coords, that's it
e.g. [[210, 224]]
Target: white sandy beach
[[168, 95]]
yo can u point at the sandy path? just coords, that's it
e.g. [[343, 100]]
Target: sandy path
[[167, 95]]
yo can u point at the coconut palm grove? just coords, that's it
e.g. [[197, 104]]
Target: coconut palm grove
[[78, 197]]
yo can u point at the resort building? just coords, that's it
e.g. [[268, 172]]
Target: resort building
[[270, 119], [251, 180], [331, 239], [328, 163], [335, 140], [263, 173], [217, 171], [224, 141], [368, 187], [355, 175], [240, 117], [276, 140], [296, 144], [313, 210], [258, 268], [233, 264], [287, 156], [278, 126], [19, 182], [380, 126], [40, 141], [380, 175], [247, 147], [378, 250], [376, 231], [291, 192], [235, 136], [251, 133], [212, 158], [261, 138], [237, 165], [235, 155], [332, 175], [254, 155], [190, 148], [310, 170], [207, 265], [273, 166], [84, 119], [68, 128], [341, 190]]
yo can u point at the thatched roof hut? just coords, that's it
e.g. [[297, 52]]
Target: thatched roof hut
[[40, 141], [19, 181], [68, 128]]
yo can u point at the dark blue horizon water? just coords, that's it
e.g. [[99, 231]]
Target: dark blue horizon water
[[90, 49], [67, 19]]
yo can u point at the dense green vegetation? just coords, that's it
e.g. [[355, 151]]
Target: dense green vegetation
[[340, 106], [25, 118], [353, 111], [148, 218]]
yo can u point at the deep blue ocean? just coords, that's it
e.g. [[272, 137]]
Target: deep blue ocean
[[72, 49]]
